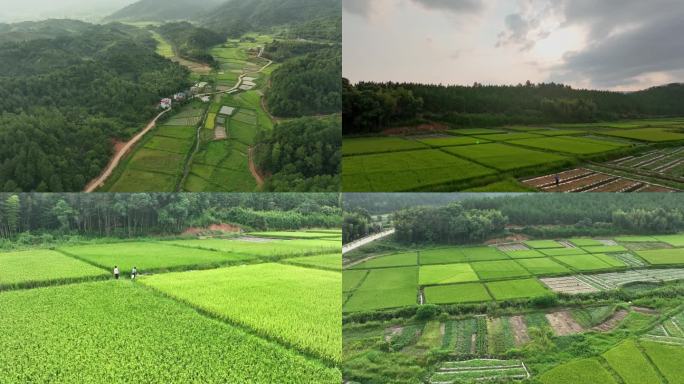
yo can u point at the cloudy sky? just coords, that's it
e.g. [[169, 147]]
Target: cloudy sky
[[32, 10], [602, 44]]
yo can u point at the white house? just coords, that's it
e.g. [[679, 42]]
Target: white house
[[165, 103], [226, 111]]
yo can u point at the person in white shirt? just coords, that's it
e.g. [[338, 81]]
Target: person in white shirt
[[134, 273], [116, 272]]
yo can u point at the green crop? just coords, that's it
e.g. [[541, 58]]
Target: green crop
[[297, 306], [117, 332], [42, 265]]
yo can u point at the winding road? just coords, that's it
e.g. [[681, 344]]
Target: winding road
[[114, 162]]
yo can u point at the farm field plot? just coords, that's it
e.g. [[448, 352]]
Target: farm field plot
[[307, 317], [627, 360], [352, 278], [479, 370], [295, 235], [395, 260], [543, 266], [583, 180], [667, 358], [510, 136], [586, 242], [385, 288], [543, 244], [460, 255], [663, 256], [25, 267], [605, 249], [562, 251], [378, 145], [673, 240], [516, 289], [451, 141], [646, 134], [147, 256], [446, 274], [477, 131], [572, 145], [267, 248], [580, 371], [500, 269], [590, 262], [332, 261], [525, 254], [454, 294], [504, 157], [408, 170], [45, 341]]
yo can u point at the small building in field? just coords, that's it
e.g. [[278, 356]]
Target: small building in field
[[180, 96], [226, 111], [205, 99], [165, 103]]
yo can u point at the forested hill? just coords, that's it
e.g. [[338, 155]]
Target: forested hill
[[48, 29], [236, 17], [191, 42], [374, 106], [63, 100], [164, 10]]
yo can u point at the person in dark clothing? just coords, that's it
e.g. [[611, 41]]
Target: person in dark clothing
[[557, 180], [116, 272]]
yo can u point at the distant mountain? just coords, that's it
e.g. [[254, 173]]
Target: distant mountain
[[164, 10], [238, 16], [33, 10], [48, 29]]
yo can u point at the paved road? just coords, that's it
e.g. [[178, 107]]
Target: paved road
[[114, 162], [363, 241]]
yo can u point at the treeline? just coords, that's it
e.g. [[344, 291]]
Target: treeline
[[191, 42], [140, 214], [562, 209], [63, 100], [452, 224], [324, 28], [307, 85], [384, 203], [281, 50], [357, 224], [372, 107], [302, 155]]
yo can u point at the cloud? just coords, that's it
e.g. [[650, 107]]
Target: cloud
[[623, 58], [358, 7], [455, 6]]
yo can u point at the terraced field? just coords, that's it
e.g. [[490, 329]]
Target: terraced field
[[62, 322], [412, 163], [170, 158]]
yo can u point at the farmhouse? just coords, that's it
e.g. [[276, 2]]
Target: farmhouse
[[205, 99], [180, 96], [165, 103]]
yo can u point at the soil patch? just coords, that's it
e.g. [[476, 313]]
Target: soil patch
[[213, 228], [393, 331], [646, 311], [519, 330], [563, 324], [612, 322]]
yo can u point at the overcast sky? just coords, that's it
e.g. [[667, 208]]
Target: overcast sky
[[604, 44], [33, 10]]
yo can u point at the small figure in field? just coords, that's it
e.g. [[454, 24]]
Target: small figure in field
[[134, 273], [557, 180], [116, 272]]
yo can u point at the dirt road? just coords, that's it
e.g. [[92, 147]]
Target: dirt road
[[114, 162], [253, 168]]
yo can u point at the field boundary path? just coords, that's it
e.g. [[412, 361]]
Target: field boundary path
[[114, 162], [253, 168], [366, 240]]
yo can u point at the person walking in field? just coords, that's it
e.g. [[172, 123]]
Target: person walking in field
[[116, 272], [557, 180], [134, 273]]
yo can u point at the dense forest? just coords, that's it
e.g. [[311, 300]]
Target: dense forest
[[372, 107], [27, 216], [48, 29], [307, 85], [63, 99], [384, 203], [191, 42], [235, 18], [281, 50], [302, 155]]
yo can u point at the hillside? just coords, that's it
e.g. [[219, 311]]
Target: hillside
[[236, 17], [48, 29], [63, 100], [163, 10]]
